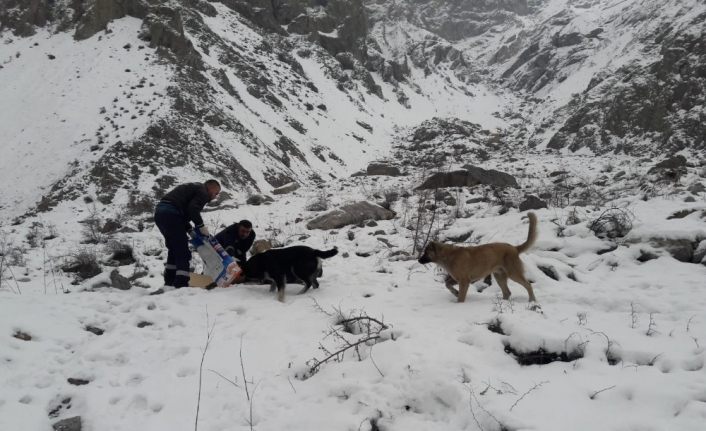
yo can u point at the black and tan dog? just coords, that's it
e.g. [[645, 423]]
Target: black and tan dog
[[466, 265], [281, 265]]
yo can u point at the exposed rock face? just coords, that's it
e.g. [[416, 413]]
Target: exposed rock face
[[350, 214], [287, 188], [631, 109], [22, 16], [383, 169], [337, 25]]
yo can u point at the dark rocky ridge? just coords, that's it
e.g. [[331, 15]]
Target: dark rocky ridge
[[638, 109]]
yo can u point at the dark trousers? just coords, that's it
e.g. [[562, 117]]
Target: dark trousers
[[172, 223]]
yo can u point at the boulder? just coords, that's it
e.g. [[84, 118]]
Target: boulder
[[349, 215], [469, 176], [287, 188], [532, 203], [118, 281], [258, 199], [383, 169], [680, 249], [700, 253], [70, 424], [670, 169], [697, 188]]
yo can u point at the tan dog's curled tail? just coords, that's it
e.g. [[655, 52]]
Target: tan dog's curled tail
[[531, 235]]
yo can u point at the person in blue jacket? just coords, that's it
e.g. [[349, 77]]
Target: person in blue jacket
[[173, 216], [237, 239]]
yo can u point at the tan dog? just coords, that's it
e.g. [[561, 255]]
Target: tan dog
[[466, 265], [260, 246]]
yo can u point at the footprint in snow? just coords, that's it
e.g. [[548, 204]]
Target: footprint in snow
[[139, 402], [135, 380], [185, 372]]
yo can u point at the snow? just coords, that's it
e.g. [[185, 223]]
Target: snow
[[639, 328], [55, 107], [441, 367]]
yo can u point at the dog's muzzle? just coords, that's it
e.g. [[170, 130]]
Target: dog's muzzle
[[424, 259]]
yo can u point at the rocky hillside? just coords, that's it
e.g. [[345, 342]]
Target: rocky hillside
[[263, 93]]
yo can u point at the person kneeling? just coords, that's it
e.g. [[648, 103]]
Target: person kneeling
[[237, 239]]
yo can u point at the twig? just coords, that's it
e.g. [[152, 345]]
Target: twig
[[537, 386], [209, 337], [375, 364], [318, 307], [318, 364], [2, 271], [653, 360], [474, 398], [688, 323], [291, 384], [242, 368], [250, 421], [593, 395], [633, 316], [225, 378], [12, 274], [359, 318], [44, 266]]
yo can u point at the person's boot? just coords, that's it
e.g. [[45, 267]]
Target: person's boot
[[162, 290]]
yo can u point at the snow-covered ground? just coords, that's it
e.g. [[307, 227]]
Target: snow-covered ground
[[634, 333], [622, 323], [65, 102]]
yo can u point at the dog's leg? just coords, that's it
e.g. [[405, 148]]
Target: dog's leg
[[270, 280], [520, 278], [281, 281], [450, 283], [501, 279], [307, 284], [463, 290]]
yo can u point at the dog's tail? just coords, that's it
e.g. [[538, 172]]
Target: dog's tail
[[325, 254], [531, 235]]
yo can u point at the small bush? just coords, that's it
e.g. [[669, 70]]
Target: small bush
[[16, 256], [320, 203], [121, 252], [139, 203], [84, 263], [92, 231], [612, 223]]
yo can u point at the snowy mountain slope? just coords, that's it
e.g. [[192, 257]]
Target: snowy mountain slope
[[261, 93], [66, 102], [254, 109], [634, 331]]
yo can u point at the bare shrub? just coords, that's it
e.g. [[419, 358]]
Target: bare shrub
[[387, 197], [40, 232], [83, 262], [139, 203], [319, 203], [121, 252], [93, 224], [612, 223], [353, 332], [571, 218], [16, 255], [424, 219]]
